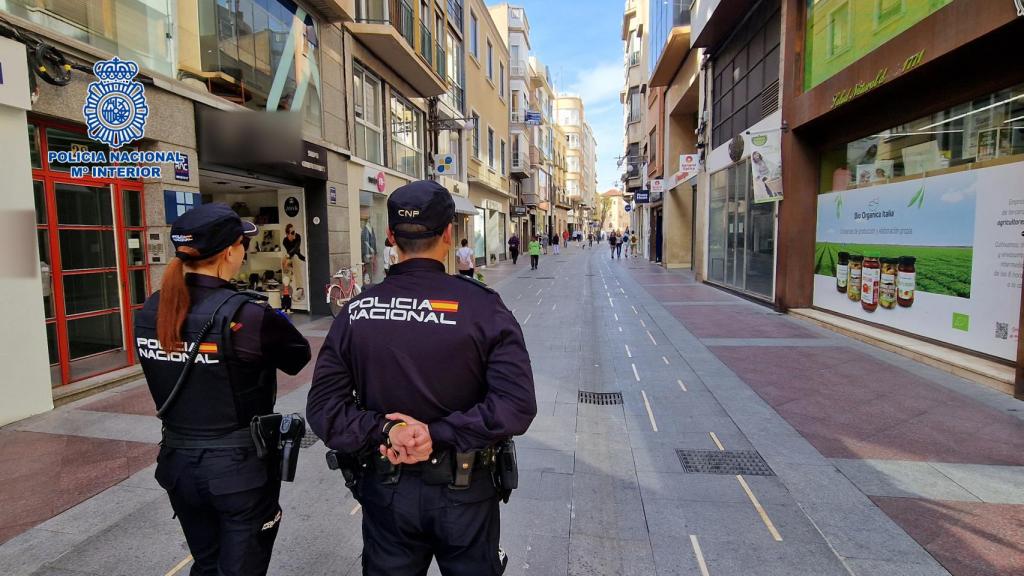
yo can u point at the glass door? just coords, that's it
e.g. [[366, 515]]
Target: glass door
[[741, 234]]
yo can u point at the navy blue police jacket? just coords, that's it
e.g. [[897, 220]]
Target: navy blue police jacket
[[443, 350]]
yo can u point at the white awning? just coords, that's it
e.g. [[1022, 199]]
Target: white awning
[[463, 205]]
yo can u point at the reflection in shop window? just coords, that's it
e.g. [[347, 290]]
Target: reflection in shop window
[[988, 130], [261, 54], [406, 137], [839, 30], [139, 30], [888, 10]]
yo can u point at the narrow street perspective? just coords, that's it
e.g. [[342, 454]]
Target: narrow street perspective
[[530, 287]]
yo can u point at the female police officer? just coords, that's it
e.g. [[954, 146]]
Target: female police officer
[[210, 356]]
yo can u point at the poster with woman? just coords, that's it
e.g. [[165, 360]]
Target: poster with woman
[[766, 165]]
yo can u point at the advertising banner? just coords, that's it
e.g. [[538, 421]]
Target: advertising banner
[[941, 257], [765, 165]]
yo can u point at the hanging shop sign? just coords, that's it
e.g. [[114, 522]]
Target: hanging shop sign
[[313, 162], [445, 164], [374, 180], [940, 256], [519, 211], [642, 196], [533, 117], [657, 186], [765, 164], [291, 206], [628, 207], [688, 166], [332, 195]]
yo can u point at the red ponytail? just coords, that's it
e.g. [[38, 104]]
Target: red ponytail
[[174, 303]]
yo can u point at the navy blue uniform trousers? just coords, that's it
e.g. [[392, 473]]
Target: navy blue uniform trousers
[[226, 500], [407, 524]]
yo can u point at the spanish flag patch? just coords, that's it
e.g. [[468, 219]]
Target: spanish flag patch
[[208, 348], [444, 305]]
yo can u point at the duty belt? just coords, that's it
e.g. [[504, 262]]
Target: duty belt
[[237, 439]]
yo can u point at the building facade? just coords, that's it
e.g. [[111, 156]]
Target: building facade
[[579, 159], [488, 106], [514, 27], [542, 148], [633, 96]]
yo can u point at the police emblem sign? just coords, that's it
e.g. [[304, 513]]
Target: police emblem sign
[[115, 106]]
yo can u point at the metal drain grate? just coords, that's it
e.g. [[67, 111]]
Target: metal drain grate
[[309, 439], [600, 398], [730, 462]]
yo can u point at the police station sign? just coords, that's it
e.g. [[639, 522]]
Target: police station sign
[[116, 112]]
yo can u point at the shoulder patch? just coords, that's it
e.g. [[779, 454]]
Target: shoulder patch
[[476, 282]]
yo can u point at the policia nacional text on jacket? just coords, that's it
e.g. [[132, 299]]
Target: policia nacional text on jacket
[[446, 355], [224, 496]]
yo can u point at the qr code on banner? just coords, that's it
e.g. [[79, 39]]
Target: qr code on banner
[[1002, 330]]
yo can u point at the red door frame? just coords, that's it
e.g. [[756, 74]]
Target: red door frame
[[50, 178]]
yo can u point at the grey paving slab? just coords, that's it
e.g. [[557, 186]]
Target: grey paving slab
[[607, 506], [27, 552], [901, 479], [867, 567], [599, 556], [993, 484], [561, 461]]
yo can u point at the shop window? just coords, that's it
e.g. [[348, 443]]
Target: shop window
[[366, 97], [406, 137], [986, 131]]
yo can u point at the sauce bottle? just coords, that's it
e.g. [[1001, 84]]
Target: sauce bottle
[[906, 281], [853, 281], [887, 284], [842, 272], [870, 278]]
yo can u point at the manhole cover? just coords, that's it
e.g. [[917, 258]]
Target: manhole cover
[[730, 462], [309, 439], [600, 398]]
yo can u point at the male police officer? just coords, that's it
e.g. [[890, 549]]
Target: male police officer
[[431, 371]]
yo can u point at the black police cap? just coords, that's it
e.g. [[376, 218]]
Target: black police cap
[[208, 229], [424, 202]]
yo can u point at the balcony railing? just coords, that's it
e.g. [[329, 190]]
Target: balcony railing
[[455, 96], [518, 69], [406, 21], [440, 64], [426, 44], [398, 13], [518, 117]]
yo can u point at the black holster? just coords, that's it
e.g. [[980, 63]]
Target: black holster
[[505, 472], [280, 436]]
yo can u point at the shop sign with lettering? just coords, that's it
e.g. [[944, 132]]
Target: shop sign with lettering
[[861, 88]]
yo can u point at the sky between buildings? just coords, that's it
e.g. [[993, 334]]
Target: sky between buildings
[[580, 41]]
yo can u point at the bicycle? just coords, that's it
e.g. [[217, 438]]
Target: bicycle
[[343, 287]]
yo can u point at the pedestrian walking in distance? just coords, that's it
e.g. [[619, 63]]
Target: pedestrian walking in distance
[[624, 241], [534, 248], [419, 381], [634, 242], [464, 258], [513, 248], [223, 494], [554, 243], [565, 238], [544, 241], [612, 241]]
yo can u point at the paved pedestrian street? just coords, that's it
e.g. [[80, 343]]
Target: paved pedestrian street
[[745, 442]]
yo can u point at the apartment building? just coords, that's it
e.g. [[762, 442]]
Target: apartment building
[[487, 66], [542, 149], [633, 96], [514, 26], [580, 159]]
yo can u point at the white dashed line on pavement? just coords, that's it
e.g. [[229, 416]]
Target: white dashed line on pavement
[[718, 443], [642, 323], [527, 317], [634, 310], [650, 414], [628, 353], [700, 555], [635, 374], [760, 510], [681, 385], [179, 566], [651, 336], [666, 360], [355, 510]]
